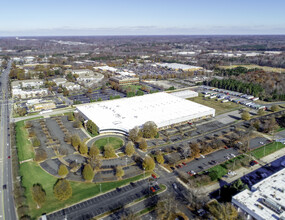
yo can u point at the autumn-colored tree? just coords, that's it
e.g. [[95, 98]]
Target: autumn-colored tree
[[62, 171], [83, 149], [109, 151], [94, 151], [75, 141], [160, 158], [245, 116], [88, 172], [119, 172], [62, 190], [143, 145], [148, 164], [130, 150], [39, 195]]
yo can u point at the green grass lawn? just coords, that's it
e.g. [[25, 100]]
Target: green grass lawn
[[269, 149], [220, 107], [116, 142], [32, 173], [136, 86], [24, 147]]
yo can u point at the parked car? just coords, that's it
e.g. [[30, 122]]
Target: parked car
[[154, 176], [184, 164], [202, 155], [174, 186]]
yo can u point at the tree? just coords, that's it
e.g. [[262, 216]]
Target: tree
[[274, 108], [62, 190], [130, 150], [148, 164], [195, 150], [94, 151], [260, 112], [119, 172], [75, 141], [166, 208], [92, 127], [41, 155], [77, 124], [109, 151], [245, 116], [225, 211], [62, 171], [88, 172], [95, 163], [130, 216], [197, 197], [70, 117], [149, 129], [160, 158], [135, 134], [143, 144], [22, 111], [39, 195], [36, 142], [83, 149]]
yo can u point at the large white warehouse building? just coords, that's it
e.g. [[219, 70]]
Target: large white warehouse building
[[164, 109]]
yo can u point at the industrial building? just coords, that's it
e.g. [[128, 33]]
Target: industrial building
[[185, 94], [179, 66], [266, 200], [164, 109]]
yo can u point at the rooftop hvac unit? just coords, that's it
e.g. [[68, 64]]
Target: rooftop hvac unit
[[271, 204]]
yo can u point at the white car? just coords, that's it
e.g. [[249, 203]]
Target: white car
[[202, 155], [261, 142], [233, 155]]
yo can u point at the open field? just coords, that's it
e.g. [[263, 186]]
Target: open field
[[251, 66], [220, 107], [115, 142], [267, 149]]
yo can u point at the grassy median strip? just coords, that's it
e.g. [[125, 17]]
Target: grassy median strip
[[24, 146], [267, 149]]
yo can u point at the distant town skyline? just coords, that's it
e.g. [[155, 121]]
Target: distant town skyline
[[131, 17]]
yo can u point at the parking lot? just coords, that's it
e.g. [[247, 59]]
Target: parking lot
[[101, 204], [98, 94]]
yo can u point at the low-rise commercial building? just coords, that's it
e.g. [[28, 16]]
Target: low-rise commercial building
[[266, 200], [162, 108]]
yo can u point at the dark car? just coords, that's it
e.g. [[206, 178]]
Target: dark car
[[4, 186], [156, 187], [132, 184]]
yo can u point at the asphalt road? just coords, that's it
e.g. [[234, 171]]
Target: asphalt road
[[7, 210]]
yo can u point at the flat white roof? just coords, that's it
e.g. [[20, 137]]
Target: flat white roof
[[124, 114], [272, 189], [178, 66], [185, 94]]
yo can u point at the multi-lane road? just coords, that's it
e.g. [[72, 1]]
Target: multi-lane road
[[7, 210]]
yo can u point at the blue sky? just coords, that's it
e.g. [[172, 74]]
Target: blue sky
[[135, 17]]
